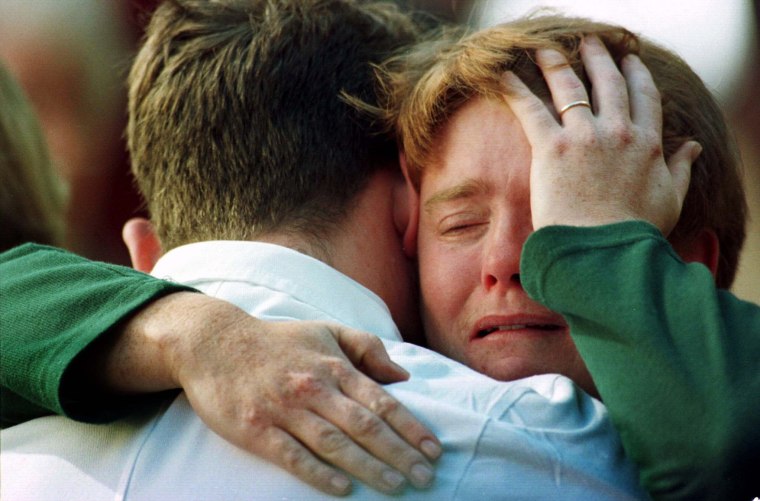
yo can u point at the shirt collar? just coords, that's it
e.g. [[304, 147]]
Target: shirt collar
[[281, 269]]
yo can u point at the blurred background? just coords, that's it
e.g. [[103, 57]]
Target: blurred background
[[72, 56]]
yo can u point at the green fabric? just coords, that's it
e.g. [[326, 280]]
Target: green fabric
[[676, 361], [53, 305]]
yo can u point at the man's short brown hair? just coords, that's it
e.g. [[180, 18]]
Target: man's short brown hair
[[236, 122], [425, 87]]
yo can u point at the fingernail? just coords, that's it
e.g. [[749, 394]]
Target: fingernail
[[393, 479], [431, 449], [510, 80], [341, 484], [551, 54], [696, 150], [630, 59], [592, 39], [422, 475]]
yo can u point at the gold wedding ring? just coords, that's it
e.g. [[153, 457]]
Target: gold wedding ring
[[573, 105]]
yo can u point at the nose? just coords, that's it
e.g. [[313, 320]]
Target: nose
[[501, 258]]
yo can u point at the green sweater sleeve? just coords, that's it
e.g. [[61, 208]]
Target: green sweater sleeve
[[53, 305], [676, 361]]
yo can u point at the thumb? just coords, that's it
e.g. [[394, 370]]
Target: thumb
[[679, 165], [368, 354]]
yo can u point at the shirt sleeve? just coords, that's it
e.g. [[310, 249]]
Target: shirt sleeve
[[53, 305], [676, 360]]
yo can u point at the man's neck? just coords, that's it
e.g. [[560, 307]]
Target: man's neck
[[322, 250], [367, 248]]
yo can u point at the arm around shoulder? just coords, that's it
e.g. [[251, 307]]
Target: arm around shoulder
[[54, 306]]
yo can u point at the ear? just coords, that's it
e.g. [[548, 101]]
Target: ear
[[142, 242], [704, 248], [408, 221]]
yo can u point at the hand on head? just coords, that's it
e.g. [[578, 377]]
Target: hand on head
[[602, 164]]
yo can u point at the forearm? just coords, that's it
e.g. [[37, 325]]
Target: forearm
[[133, 358], [54, 306], [674, 359], [146, 352]]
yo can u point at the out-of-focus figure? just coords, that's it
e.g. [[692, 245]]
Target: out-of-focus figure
[[70, 56], [32, 196], [745, 118]]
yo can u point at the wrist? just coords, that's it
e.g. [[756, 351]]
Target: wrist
[[186, 329], [143, 356], [171, 330]]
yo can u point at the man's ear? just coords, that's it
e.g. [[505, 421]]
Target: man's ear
[[704, 248], [142, 242], [408, 214]]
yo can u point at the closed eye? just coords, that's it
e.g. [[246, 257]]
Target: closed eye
[[458, 228], [461, 228]]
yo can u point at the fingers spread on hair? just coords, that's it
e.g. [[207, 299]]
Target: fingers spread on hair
[[530, 110], [646, 102], [568, 93], [610, 94], [680, 164]]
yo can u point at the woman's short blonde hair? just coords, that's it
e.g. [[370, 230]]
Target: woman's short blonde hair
[[425, 86]]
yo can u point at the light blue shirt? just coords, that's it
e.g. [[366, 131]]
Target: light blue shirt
[[536, 438]]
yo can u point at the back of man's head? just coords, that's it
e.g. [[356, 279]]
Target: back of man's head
[[236, 124]]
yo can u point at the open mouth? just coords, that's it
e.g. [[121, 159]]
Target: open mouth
[[517, 327]]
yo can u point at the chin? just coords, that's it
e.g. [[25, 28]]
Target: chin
[[508, 370], [512, 370]]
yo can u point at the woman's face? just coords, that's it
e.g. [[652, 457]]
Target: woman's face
[[474, 219]]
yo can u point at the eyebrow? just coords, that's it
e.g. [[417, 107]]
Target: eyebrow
[[466, 189]]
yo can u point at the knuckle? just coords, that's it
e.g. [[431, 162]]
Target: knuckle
[[656, 151], [384, 406], [373, 342], [300, 385], [535, 106], [615, 78], [651, 143], [567, 78], [367, 424], [254, 418], [561, 145], [621, 134], [293, 457], [651, 91], [338, 367], [575, 86], [330, 441], [340, 370], [582, 139]]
